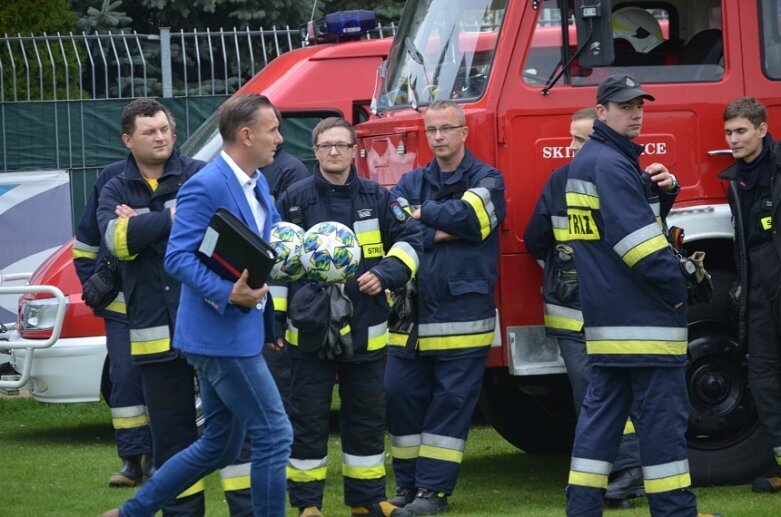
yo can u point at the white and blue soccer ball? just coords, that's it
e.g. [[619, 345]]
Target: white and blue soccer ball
[[287, 240], [330, 252]]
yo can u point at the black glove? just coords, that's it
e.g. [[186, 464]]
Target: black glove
[[402, 315], [102, 287], [309, 310], [339, 340], [566, 289]]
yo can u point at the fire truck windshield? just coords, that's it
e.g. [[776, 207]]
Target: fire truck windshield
[[443, 50]]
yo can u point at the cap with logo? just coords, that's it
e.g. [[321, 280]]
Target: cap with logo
[[620, 88]]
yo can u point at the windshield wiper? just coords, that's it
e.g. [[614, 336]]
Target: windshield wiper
[[555, 76]]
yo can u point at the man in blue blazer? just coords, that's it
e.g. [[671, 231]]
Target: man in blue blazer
[[219, 338]]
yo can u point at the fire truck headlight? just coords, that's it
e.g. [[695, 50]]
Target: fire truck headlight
[[38, 314]]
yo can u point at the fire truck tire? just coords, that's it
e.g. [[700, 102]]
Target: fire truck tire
[[543, 423], [726, 443]]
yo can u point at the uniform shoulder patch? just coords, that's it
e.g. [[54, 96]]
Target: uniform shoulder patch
[[398, 212]]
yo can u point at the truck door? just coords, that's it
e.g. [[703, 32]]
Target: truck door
[[692, 65], [760, 34]]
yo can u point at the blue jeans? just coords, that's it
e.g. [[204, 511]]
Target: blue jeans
[[239, 396]]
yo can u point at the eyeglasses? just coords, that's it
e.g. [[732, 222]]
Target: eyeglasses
[[445, 130], [341, 147]]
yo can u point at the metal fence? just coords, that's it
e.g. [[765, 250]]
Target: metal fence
[[125, 65]]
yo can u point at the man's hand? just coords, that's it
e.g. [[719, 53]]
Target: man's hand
[[441, 236], [278, 346], [661, 176], [416, 213], [242, 294], [173, 211], [124, 211], [368, 283]]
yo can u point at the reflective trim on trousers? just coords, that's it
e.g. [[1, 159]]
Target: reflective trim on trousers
[[440, 447], [306, 471], [196, 487], [235, 477], [590, 473], [405, 447], [667, 477], [129, 417], [363, 467]]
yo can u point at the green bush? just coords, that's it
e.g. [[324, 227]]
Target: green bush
[[43, 76]]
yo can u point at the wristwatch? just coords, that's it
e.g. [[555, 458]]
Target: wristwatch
[[675, 183]]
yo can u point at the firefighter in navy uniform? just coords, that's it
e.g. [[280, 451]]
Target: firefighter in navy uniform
[[633, 297], [547, 239], [128, 409], [285, 170], [754, 197], [435, 367], [135, 212], [390, 244]]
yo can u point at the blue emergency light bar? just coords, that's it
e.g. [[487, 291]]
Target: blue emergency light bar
[[339, 26]]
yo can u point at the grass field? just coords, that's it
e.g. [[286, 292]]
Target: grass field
[[56, 460]]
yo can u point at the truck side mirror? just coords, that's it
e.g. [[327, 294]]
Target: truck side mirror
[[595, 32]]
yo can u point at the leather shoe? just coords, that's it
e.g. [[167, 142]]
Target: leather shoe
[[626, 484]]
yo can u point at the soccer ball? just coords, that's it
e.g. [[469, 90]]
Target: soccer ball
[[330, 252], [286, 239]]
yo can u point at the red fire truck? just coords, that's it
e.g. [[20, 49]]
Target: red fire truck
[[519, 83]]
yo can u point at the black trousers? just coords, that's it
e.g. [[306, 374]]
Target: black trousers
[[764, 340]]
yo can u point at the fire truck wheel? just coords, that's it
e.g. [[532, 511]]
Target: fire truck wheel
[[726, 443], [538, 419]]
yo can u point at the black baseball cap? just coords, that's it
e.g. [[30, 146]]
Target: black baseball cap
[[620, 88]]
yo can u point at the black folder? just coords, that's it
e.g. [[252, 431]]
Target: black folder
[[229, 247]]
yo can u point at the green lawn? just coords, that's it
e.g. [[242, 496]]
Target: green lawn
[[56, 460]]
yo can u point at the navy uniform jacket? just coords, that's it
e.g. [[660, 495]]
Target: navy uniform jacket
[[455, 284], [89, 252], [390, 245], [151, 294], [549, 226], [629, 278], [285, 170]]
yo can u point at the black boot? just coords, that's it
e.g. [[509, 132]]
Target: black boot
[[427, 502], [626, 484], [147, 467], [404, 496], [129, 475]]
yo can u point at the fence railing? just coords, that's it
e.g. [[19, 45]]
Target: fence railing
[[125, 65]]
